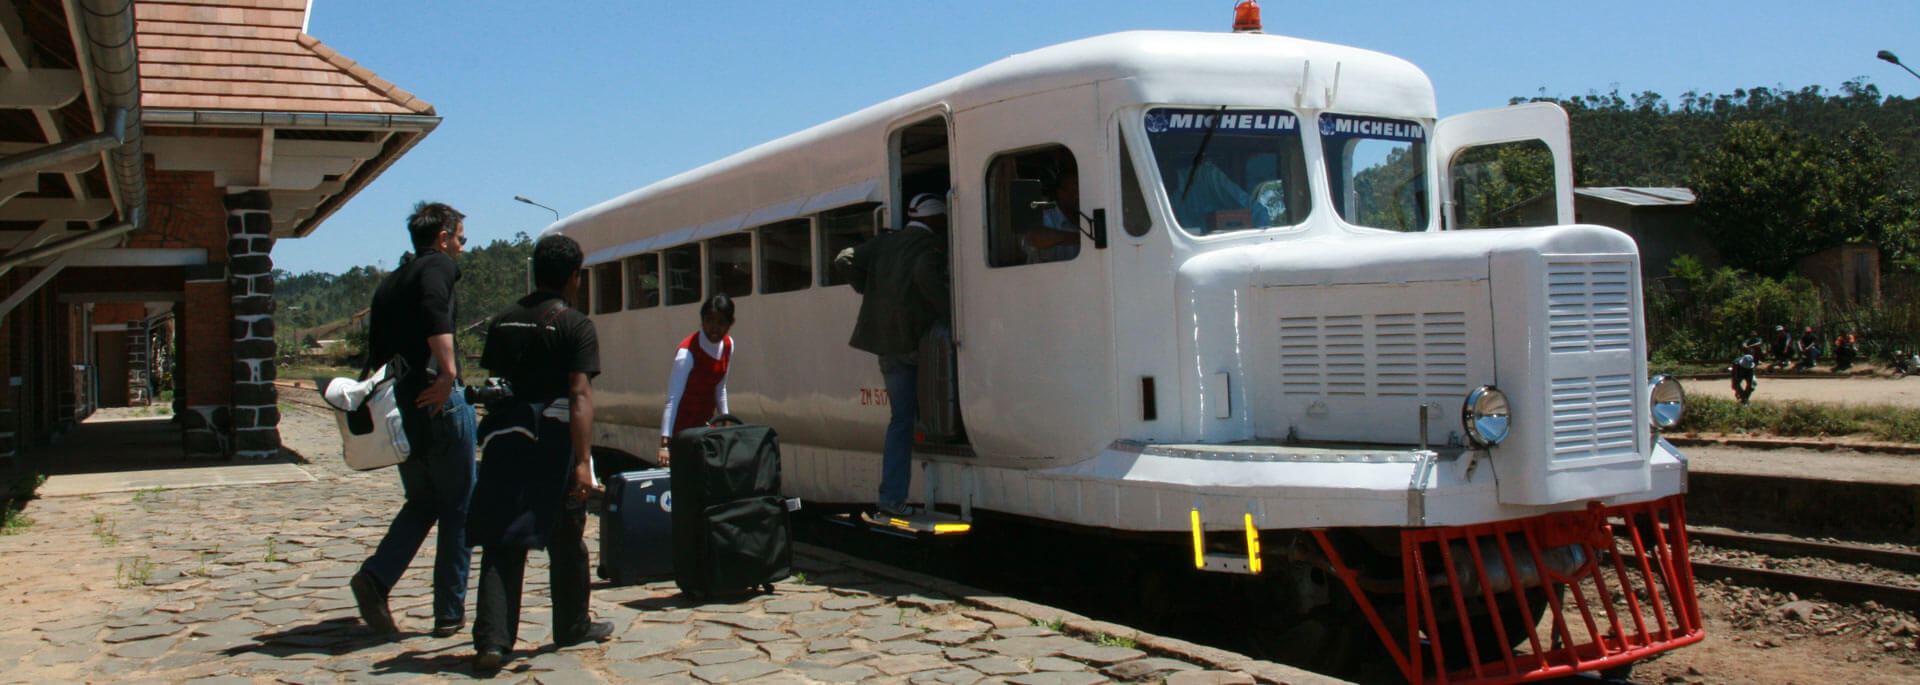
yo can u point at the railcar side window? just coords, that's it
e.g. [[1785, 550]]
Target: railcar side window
[[1504, 185], [786, 256], [730, 265], [840, 229], [1017, 233], [606, 287], [643, 281], [682, 274], [1230, 170], [1377, 170]]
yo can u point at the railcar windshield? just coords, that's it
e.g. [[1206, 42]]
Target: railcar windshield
[[1230, 169], [1377, 170]]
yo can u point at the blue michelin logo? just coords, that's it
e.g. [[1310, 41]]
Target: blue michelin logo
[[1349, 126], [1231, 122]]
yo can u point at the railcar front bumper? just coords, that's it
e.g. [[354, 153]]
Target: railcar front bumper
[[1617, 582]]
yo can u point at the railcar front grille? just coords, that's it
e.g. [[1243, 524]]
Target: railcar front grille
[[1592, 416], [1589, 306], [1374, 355]]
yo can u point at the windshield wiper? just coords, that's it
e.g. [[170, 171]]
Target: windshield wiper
[[1202, 152]]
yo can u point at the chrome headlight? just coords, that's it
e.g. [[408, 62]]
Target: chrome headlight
[[1485, 416], [1668, 400]]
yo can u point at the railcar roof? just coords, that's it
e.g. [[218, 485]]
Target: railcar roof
[[1144, 66]]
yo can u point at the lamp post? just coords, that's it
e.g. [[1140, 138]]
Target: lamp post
[[1888, 56], [556, 212]]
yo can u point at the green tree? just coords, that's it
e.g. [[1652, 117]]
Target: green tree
[[1769, 196]]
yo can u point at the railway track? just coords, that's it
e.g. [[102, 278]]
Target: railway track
[[307, 396], [1809, 584]]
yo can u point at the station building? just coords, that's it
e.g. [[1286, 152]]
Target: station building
[[152, 155]]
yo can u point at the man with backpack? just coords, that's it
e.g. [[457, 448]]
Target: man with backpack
[[537, 473]]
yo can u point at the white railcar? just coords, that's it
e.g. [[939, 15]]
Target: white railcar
[[1269, 324]]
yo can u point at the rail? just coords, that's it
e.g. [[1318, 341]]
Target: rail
[[1804, 584]]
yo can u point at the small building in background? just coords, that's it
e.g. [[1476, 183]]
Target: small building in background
[[1660, 220]]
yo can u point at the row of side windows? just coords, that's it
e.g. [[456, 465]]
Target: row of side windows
[[729, 264]]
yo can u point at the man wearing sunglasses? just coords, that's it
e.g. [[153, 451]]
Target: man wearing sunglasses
[[411, 327]]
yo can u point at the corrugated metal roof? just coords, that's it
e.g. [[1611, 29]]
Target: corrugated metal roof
[[1640, 197]]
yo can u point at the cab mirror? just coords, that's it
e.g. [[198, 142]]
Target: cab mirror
[[1028, 205]]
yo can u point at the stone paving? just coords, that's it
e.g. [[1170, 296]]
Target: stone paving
[[233, 584]]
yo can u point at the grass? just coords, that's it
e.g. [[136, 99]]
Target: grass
[[1106, 640], [14, 522], [105, 529], [148, 494], [273, 551], [134, 572], [1055, 625], [800, 578], [1801, 419]]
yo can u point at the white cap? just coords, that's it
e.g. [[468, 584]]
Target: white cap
[[925, 205]]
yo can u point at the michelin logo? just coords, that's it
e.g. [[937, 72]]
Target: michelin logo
[[1368, 127], [1243, 122]]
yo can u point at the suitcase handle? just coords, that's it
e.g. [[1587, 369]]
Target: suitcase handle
[[725, 420]]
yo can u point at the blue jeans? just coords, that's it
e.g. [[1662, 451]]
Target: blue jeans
[[438, 482], [901, 372]]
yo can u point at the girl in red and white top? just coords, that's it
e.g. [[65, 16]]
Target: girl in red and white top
[[697, 387]]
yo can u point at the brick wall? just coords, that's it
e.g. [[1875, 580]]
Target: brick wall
[[256, 413], [184, 209]]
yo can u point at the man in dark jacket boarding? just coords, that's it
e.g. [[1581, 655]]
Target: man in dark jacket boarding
[[535, 471], [902, 278]]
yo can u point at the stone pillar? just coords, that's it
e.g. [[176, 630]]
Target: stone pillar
[[256, 411]]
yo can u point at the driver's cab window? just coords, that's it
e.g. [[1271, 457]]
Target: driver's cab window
[[1033, 207], [1377, 170]]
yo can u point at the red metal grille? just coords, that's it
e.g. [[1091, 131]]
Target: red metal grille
[[1623, 591]]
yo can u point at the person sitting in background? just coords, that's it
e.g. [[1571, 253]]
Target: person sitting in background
[[1780, 349], [1808, 348], [697, 386], [1845, 350]]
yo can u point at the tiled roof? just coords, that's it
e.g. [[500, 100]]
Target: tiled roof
[[250, 55]]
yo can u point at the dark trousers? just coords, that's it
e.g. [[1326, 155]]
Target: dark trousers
[[503, 567]]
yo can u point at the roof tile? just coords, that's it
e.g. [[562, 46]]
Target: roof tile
[[250, 55]]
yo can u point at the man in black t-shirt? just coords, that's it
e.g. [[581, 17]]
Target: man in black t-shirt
[[536, 475], [411, 327]]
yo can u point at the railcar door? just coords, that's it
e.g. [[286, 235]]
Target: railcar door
[[1035, 329], [1492, 163], [920, 156]]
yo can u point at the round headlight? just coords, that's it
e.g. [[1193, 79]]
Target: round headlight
[[1485, 416], [1668, 400]]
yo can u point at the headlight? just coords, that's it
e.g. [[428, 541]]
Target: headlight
[[1668, 400], [1485, 416]]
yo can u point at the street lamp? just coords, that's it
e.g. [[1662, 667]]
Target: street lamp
[[556, 212], [1889, 57]]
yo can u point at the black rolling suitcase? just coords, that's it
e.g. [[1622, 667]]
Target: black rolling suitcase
[[730, 525], [636, 533]]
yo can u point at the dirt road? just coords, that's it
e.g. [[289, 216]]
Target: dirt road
[[1903, 392]]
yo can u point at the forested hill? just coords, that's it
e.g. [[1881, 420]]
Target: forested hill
[[1779, 173], [1646, 139], [491, 277]]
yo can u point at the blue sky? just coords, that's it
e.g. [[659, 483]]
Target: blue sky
[[572, 102]]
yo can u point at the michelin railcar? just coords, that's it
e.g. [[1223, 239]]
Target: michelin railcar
[[1274, 324]]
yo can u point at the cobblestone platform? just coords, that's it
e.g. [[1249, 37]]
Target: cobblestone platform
[[233, 584]]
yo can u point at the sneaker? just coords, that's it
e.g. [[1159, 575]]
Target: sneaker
[[373, 603], [597, 631], [488, 660], [448, 629], [901, 510]]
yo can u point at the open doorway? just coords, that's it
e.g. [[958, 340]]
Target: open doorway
[[920, 153]]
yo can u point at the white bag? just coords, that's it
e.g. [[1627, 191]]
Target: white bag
[[371, 434]]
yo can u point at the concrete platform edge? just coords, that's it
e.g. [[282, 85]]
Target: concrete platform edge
[[1075, 624]]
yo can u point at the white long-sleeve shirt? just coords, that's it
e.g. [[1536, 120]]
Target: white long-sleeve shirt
[[677, 383]]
